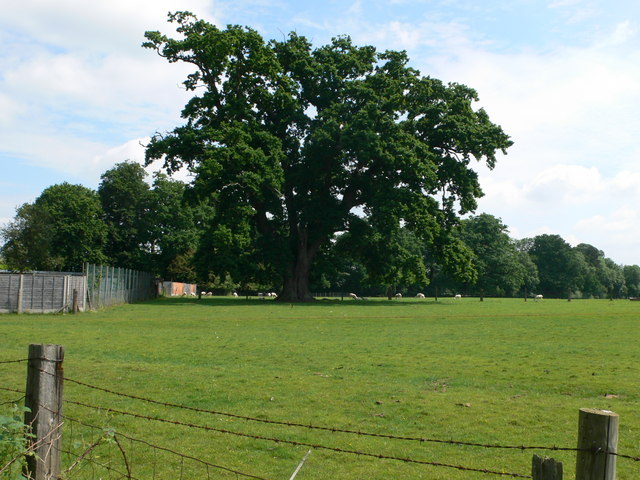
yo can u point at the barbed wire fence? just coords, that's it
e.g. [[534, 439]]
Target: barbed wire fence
[[90, 450]]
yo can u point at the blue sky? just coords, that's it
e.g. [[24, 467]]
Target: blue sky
[[78, 94]]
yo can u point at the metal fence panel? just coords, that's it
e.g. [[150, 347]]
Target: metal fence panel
[[108, 286]]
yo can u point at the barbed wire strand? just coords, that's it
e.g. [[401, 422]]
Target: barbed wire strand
[[12, 402], [165, 449], [296, 443], [22, 360], [4, 362], [635, 458], [322, 428]]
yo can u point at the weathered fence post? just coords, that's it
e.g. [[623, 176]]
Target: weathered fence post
[[43, 397], [597, 439], [74, 305], [20, 293], [546, 468]]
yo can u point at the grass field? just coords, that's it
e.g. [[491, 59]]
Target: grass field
[[502, 372]]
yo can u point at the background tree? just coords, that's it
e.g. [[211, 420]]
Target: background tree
[[27, 240], [124, 196], [168, 232], [632, 279], [560, 267], [531, 275], [61, 230], [291, 143], [496, 259], [614, 280]]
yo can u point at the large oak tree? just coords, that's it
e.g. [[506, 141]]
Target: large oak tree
[[294, 144]]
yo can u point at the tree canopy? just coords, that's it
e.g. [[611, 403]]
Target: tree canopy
[[61, 230], [501, 269], [295, 144]]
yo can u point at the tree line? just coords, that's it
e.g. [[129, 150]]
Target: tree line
[[164, 228], [331, 168]]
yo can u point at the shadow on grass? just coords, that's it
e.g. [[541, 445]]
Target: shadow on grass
[[255, 301]]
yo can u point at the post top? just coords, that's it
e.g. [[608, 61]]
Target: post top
[[595, 411]]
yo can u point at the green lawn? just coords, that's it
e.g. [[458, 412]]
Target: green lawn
[[500, 371]]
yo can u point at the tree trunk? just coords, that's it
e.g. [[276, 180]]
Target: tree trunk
[[296, 284]]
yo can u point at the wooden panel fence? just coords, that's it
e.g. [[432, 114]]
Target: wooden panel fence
[[63, 292], [42, 292]]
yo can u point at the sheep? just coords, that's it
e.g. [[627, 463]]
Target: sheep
[[538, 297], [420, 295], [354, 296], [234, 294], [398, 295], [457, 296]]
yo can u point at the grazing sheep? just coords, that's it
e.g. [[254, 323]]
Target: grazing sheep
[[398, 295], [420, 295], [457, 296], [538, 297], [234, 294], [354, 296]]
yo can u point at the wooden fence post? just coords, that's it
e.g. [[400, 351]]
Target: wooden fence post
[[74, 305], [546, 468], [20, 293], [43, 397], [597, 438]]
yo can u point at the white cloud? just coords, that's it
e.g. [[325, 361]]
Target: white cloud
[[8, 110], [77, 84], [565, 184], [78, 25]]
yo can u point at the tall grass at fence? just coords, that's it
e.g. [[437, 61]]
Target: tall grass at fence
[[502, 372]]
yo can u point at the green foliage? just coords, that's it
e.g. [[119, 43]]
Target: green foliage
[[123, 193], [632, 279], [151, 228], [290, 142], [560, 267], [61, 230], [498, 263], [169, 231], [13, 444]]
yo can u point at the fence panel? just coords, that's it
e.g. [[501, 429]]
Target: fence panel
[[41, 292]]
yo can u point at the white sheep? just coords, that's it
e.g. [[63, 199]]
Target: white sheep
[[398, 295], [234, 294], [354, 296], [457, 296], [538, 297], [420, 295]]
